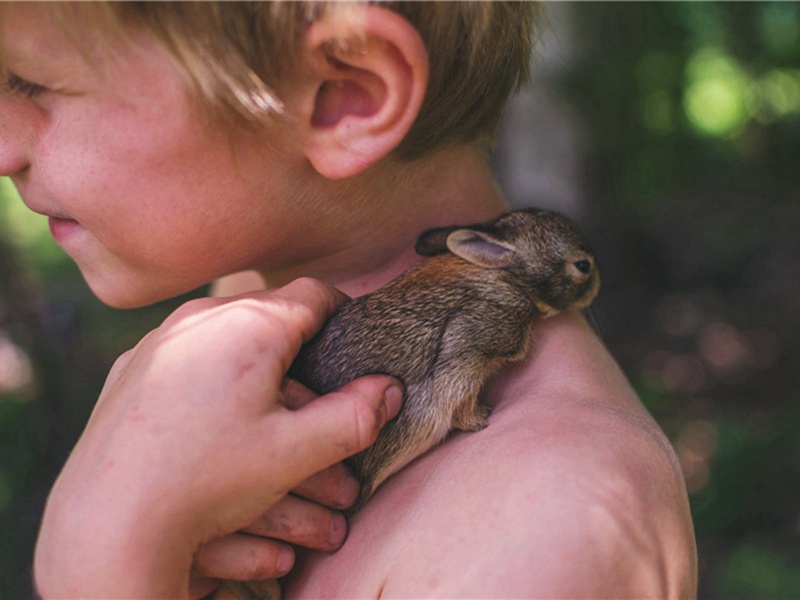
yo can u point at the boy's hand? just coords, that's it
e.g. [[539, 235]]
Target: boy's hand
[[307, 517], [193, 439]]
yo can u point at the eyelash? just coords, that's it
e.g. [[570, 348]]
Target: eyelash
[[22, 87]]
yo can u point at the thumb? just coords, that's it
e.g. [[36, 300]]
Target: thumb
[[342, 423]]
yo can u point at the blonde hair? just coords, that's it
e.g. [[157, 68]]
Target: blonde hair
[[233, 53]]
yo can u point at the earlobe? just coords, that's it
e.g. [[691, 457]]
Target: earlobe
[[369, 79]]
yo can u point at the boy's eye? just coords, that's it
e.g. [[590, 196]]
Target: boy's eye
[[21, 87]]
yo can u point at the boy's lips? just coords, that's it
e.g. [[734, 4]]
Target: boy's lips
[[50, 214], [62, 228]]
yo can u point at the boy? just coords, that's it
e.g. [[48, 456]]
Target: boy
[[173, 144]]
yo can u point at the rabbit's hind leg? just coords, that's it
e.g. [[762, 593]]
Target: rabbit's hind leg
[[471, 415]]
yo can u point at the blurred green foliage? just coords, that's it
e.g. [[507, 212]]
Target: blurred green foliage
[[57, 343], [692, 116], [691, 112]]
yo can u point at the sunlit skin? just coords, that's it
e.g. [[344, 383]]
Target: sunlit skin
[[133, 182], [148, 200], [572, 490]]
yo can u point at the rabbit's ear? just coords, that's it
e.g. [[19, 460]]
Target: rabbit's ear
[[434, 241], [480, 248]]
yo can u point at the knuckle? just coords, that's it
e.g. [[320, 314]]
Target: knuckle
[[306, 284], [122, 361], [314, 292], [192, 307]]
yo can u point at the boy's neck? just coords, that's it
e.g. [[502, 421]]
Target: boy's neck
[[455, 187]]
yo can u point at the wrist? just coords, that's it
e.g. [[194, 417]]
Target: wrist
[[93, 549]]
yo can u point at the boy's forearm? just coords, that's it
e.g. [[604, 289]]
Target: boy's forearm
[[88, 548]]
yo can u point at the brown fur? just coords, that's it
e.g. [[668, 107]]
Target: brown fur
[[444, 327]]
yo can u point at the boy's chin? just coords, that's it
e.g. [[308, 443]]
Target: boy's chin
[[128, 296]]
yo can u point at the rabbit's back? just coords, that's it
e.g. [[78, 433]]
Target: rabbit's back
[[443, 308], [442, 328]]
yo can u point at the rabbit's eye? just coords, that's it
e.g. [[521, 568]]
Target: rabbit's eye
[[584, 266]]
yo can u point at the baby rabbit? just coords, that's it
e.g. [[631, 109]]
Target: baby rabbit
[[443, 328], [446, 325]]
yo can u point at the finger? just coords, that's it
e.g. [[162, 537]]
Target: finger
[[202, 587], [295, 394], [334, 487], [311, 292], [269, 589], [286, 317], [243, 557], [301, 523], [340, 424], [302, 307]]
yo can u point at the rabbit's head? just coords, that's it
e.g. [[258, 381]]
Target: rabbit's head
[[536, 249]]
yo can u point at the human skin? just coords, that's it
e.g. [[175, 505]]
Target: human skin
[[135, 189], [571, 491], [230, 401]]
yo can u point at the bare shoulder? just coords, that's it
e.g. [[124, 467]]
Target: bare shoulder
[[572, 490]]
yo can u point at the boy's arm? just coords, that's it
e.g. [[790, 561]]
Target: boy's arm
[[191, 440]]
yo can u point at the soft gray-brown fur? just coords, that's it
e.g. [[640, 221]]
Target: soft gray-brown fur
[[446, 325], [443, 328]]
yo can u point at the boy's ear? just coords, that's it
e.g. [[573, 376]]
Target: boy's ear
[[365, 78]]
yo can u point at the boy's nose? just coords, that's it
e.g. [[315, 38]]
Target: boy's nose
[[17, 130]]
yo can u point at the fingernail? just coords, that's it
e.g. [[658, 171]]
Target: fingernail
[[393, 399], [348, 491], [338, 530], [285, 560]]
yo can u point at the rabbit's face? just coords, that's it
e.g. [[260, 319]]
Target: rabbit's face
[[537, 250], [549, 252], [565, 278]]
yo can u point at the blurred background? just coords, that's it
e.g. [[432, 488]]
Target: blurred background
[[671, 131]]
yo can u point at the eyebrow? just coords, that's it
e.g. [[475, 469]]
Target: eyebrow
[[55, 66], [40, 52]]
